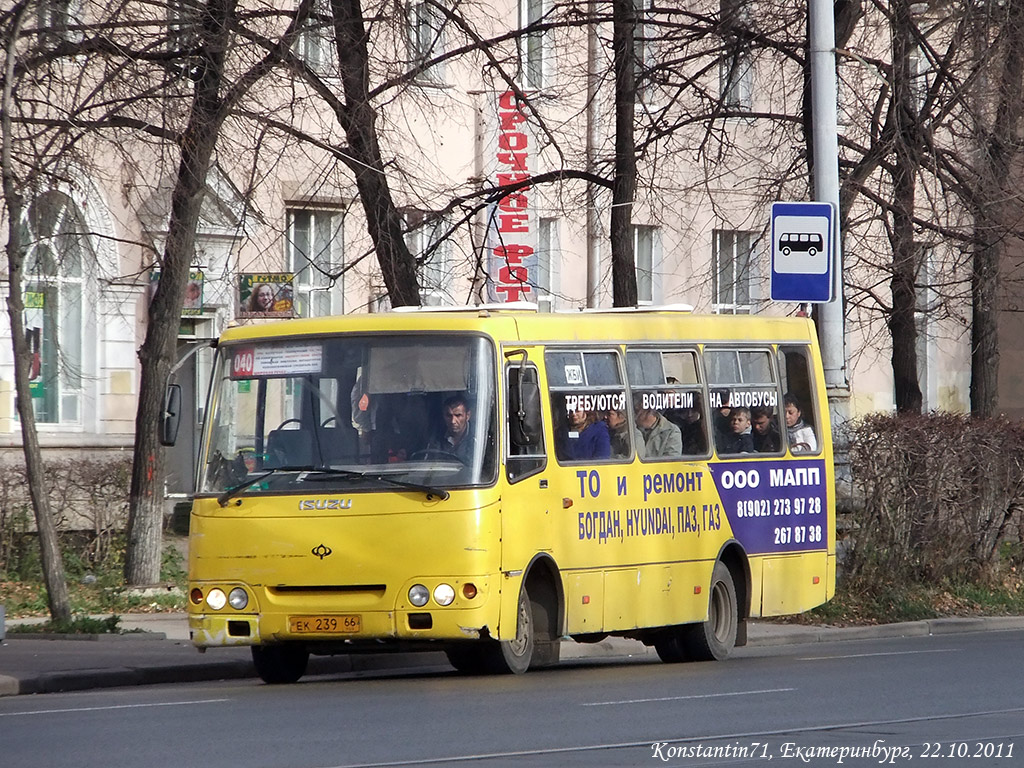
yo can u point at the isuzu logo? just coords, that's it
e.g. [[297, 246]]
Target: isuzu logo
[[307, 505]]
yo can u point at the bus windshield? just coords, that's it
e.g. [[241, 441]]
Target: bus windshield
[[323, 414]]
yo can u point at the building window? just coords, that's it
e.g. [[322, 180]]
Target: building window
[[426, 38], [547, 264], [645, 247], [731, 260], [315, 44], [424, 237], [58, 249], [925, 344], [315, 248], [57, 20], [533, 47], [736, 68], [643, 50], [181, 26]]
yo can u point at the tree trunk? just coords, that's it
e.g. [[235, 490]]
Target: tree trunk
[[35, 471], [146, 507], [905, 257], [624, 288], [990, 216], [397, 264]]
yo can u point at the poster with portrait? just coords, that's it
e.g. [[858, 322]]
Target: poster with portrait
[[265, 295], [193, 294], [193, 303], [35, 316]]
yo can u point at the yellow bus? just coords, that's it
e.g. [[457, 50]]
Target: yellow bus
[[493, 481]]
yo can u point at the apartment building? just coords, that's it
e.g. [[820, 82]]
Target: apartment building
[[455, 120]]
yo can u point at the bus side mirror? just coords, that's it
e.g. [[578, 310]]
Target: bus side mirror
[[525, 421], [171, 418]]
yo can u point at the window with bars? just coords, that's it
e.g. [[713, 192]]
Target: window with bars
[[315, 254], [731, 261]]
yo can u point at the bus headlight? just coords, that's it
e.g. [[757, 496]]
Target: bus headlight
[[444, 594], [418, 595], [238, 598], [216, 599]]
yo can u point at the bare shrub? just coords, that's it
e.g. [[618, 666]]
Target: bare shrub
[[88, 496], [937, 496]]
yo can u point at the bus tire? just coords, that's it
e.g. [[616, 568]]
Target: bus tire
[[279, 664], [469, 659], [714, 639], [516, 656], [670, 645]]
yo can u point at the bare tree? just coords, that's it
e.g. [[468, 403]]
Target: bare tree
[[53, 568], [217, 90], [999, 148]]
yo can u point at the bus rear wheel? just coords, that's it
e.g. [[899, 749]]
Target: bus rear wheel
[[279, 664], [714, 639], [711, 640]]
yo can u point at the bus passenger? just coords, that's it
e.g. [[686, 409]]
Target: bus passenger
[[661, 436], [738, 440], [618, 427], [766, 437], [587, 437], [801, 436]]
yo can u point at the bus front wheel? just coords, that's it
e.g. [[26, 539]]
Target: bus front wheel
[[279, 664], [517, 655]]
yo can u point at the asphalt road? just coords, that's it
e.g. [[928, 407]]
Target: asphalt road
[[940, 700]]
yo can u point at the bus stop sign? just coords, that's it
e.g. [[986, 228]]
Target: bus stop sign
[[802, 252]]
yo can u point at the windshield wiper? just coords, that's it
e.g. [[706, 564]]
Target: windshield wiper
[[230, 493], [326, 473]]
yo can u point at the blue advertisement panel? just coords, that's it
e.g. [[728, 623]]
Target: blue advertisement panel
[[775, 506]]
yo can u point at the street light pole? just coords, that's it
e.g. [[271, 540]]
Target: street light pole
[[831, 330]]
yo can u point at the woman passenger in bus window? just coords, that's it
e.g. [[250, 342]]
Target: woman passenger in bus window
[[587, 437], [801, 436]]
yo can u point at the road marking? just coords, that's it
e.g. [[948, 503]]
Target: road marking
[[585, 748], [112, 706], [685, 698], [881, 653]]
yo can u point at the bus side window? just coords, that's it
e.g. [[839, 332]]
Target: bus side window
[[744, 399], [799, 404], [525, 430]]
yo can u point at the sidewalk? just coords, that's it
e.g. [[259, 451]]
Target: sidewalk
[[162, 653]]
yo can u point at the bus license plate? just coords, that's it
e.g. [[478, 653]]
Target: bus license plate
[[344, 624]]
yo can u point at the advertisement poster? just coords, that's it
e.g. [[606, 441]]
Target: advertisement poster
[[193, 294], [262, 295], [510, 157], [193, 304], [34, 314]]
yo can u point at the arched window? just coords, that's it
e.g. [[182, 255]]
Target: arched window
[[58, 251]]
